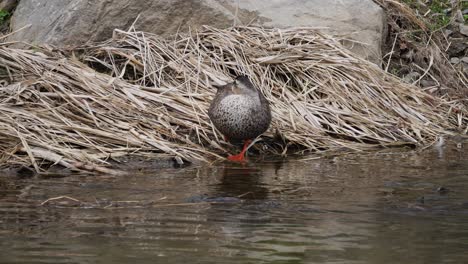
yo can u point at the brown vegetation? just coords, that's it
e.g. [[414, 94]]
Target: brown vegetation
[[140, 95]]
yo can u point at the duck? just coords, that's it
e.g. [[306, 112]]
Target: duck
[[240, 112]]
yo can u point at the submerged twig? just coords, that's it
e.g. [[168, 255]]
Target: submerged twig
[[60, 198]]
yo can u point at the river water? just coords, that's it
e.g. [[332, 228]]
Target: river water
[[391, 206]]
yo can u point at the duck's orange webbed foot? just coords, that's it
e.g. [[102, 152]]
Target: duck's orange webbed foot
[[241, 156]]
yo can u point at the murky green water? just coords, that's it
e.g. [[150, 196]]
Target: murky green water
[[385, 207]]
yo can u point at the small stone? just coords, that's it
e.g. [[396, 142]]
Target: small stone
[[448, 32], [457, 47], [465, 60], [459, 17], [454, 60], [411, 77], [465, 66], [442, 190], [464, 29], [428, 83]]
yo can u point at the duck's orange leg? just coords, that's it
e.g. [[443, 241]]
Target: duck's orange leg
[[240, 156]]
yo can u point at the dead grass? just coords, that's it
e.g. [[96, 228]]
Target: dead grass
[[150, 96]]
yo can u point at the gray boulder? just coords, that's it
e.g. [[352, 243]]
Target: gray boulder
[[74, 22]]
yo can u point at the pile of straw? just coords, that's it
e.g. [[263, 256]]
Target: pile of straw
[[138, 94]]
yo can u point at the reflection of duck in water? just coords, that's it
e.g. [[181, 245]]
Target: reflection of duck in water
[[240, 112], [244, 182]]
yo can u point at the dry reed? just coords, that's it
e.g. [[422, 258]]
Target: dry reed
[[138, 94]]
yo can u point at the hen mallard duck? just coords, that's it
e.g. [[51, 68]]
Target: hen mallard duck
[[240, 112]]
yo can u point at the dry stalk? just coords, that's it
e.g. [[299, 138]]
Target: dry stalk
[[141, 95]]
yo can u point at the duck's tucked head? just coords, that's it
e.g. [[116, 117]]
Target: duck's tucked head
[[241, 84]]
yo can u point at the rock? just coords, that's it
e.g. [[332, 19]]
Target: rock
[[442, 190], [465, 60], [457, 47], [464, 29], [428, 83], [464, 66], [8, 5], [454, 60], [411, 77], [459, 16], [448, 32], [74, 22]]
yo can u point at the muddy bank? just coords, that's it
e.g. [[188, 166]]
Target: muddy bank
[[80, 111], [137, 94]]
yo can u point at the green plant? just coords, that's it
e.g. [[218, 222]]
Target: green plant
[[464, 4], [441, 17], [436, 12], [4, 16]]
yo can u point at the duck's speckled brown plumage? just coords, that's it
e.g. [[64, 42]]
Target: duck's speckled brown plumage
[[239, 110]]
